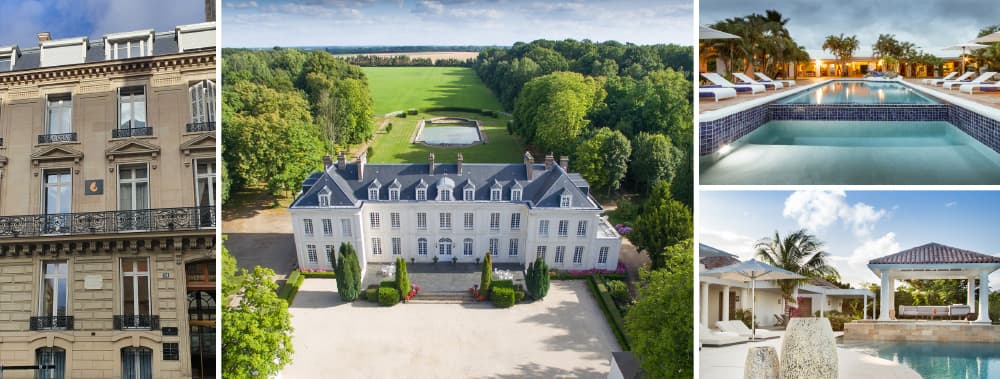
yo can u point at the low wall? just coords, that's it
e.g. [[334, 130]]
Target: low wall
[[933, 331]]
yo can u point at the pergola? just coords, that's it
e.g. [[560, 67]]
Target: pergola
[[936, 261]]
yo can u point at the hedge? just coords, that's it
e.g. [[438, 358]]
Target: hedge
[[291, 287], [503, 297], [457, 109], [320, 274], [371, 294], [388, 296], [411, 111], [569, 276], [611, 313]]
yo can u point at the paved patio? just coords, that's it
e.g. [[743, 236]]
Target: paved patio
[[442, 276], [564, 336]]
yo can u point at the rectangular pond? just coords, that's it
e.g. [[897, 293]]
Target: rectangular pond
[[859, 92], [936, 359], [449, 135]]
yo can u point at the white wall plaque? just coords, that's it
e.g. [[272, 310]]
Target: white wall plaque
[[93, 282]]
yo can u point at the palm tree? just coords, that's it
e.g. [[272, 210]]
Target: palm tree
[[799, 252], [842, 47]]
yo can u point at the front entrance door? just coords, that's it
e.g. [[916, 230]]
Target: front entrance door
[[201, 318]]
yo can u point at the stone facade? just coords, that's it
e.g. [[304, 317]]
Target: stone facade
[[930, 331]]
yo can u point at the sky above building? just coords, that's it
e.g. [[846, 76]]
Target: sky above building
[[931, 25], [855, 226], [266, 23]]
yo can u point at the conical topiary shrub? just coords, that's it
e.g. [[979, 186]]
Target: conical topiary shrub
[[537, 279], [486, 279], [348, 273], [402, 278]]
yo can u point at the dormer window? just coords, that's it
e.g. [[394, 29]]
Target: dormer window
[[469, 192], [8, 58], [394, 190], [565, 200], [373, 190], [324, 198], [515, 192], [444, 195], [445, 186], [128, 49], [128, 45], [496, 191], [421, 190]]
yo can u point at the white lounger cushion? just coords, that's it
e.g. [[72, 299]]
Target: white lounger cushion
[[710, 337], [719, 80], [790, 83], [948, 77], [738, 327], [970, 87], [979, 79], [964, 77], [748, 80], [719, 93]]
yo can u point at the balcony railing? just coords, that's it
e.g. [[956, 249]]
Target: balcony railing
[[53, 138], [150, 322], [201, 127], [51, 322], [143, 220], [131, 132]]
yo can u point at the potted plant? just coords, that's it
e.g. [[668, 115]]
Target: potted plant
[[477, 260], [435, 259], [454, 260]]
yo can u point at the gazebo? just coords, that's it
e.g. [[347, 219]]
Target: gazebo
[[936, 261]]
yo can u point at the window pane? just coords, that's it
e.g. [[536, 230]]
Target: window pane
[[143, 295], [124, 113], [128, 296]]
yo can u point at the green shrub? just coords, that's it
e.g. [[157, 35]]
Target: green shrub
[[837, 319], [320, 274], [387, 284], [618, 290], [388, 296], [486, 275], [402, 281], [510, 127], [519, 296], [371, 294], [291, 287], [611, 313], [370, 151], [348, 273], [401, 115], [537, 278], [411, 111], [388, 128], [502, 297]]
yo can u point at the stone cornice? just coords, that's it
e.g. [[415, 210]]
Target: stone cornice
[[102, 69], [56, 247]]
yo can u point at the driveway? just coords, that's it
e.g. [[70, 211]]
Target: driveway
[[564, 336], [259, 234]]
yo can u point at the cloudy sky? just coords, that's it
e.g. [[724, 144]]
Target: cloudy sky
[[22, 19], [931, 25], [856, 226], [265, 23]]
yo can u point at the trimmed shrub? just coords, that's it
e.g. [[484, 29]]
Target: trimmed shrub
[[486, 277], [502, 297], [371, 294], [611, 313], [370, 151], [402, 277], [388, 128], [319, 274], [618, 291], [519, 296], [537, 279], [348, 273], [388, 296], [291, 287], [411, 111], [837, 319]]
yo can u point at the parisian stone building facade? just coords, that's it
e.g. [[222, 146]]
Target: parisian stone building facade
[[107, 210]]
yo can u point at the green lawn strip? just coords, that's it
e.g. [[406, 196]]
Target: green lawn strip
[[402, 88], [610, 310], [395, 146], [291, 287]]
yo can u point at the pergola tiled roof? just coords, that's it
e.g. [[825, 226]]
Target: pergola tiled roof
[[935, 253]]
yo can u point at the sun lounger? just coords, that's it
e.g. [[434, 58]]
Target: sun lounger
[[765, 79], [964, 77], [738, 327], [720, 81], [708, 337], [982, 87], [932, 311], [716, 92], [950, 76], [979, 79], [748, 80]]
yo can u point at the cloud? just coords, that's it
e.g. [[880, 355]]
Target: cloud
[[730, 242], [950, 204], [428, 7], [854, 268], [241, 5], [816, 210]]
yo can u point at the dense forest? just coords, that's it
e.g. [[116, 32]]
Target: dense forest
[[405, 61], [401, 49]]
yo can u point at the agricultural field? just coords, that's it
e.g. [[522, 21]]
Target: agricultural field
[[395, 147], [401, 88]]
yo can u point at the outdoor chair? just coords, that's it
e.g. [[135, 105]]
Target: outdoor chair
[[717, 93], [978, 80], [738, 327], [748, 80], [765, 79], [720, 81], [709, 337], [947, 77]]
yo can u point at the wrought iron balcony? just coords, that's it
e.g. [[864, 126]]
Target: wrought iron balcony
[[143, 220], [53, 138], [201, 127], [131, 132], [51, 322], [150, 322]]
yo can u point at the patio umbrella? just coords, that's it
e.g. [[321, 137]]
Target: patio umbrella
[[705, 32], [752, 271], [965, 46], [995, 37]]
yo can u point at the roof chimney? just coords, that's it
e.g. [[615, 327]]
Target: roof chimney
[[44, 36], [529, 165], [549, 161], [327, 162], [362, 159], [430, 167], [460, 161], [564, 163], [341, 160]]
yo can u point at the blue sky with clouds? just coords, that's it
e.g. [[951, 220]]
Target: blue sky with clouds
[[265, 23], [856, 226], [22, 19]]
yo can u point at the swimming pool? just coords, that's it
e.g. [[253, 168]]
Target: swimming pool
[[859, 92], [936, 360], [854, 152]]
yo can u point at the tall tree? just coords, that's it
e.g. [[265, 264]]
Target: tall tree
[[662, 222], [538, 285], [843, 48], [230, 279], [486, 275], [402, 277], [551, 110], [256, 332], [348, 273], [652, 160], [660, 325], [799, 252], [602, 159]]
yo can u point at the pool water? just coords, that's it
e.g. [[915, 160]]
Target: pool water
[[855, 152], [937, 360], [449, 135], [859, 92]]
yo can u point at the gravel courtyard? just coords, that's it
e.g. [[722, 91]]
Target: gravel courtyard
[[564, 336]]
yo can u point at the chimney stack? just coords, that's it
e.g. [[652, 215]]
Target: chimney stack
[[459, 160], [362, 159], [430, 167], [327, 162], [529, 165], [341, 160], [549, 161], [564, 163], [44, 36]]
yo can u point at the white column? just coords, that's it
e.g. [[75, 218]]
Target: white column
[[984, 297], [884, 311], [971, 294], [704, 304], [864, 307], [725, 303]]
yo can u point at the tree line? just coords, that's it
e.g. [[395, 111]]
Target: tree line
[[404, 61]]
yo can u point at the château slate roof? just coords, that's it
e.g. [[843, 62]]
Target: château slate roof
[[933, 253], [544, 190]]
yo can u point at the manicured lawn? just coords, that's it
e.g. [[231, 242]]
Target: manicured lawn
[[395, 146], [401, 88]]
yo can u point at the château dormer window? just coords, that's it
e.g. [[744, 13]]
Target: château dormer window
[[373, 190], [394, 190], [8, 58], [496, 191], [421, 190], [444, 195], [565, 201], [324, 198], [515, 195], [469, 192], [445, 186], [128, 45]]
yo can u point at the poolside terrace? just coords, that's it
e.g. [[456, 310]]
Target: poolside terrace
[[709, 104], [990, 99]]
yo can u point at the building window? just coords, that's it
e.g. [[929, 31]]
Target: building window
[[578, 255], [494, 246], [565, 200], [376, 246], [330, 256], [563, 228], [327, 227], [560, 254], [324, 199], [171, 351], [202, 102], [540, 252], [470, 221], [54, 293], [513, 247], [135, 290], [58, 200], [444, 195], [137, 363], [515, 221], [445, 221], [421, 194], [204, 180], [394, 220], [515, 195], [444, 246], [124, 49], [581, 229], [495, 194], [467, 247], [470, 194], [421, 246], [311, 254], [373, 194], [6, 63], [307, 226], [602, 256], [543, 228], [421, 220], [397, 246], [132, 107], [495, 221], [345, 227], [375, 219], [54, 357], [394, 194], [59, 114], [133, 188]]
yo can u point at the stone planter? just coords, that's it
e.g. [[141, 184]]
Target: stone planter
[[761, 363], [808, 349]]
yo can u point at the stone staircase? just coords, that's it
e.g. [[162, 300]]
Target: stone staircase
[[442, 297]]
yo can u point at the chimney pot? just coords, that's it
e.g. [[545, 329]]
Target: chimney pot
[[341, 160], [362, 159], [44, 36], [430, 158], [564, 163], [460, 161], [529, 165], [549, 161], [327, 162]]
